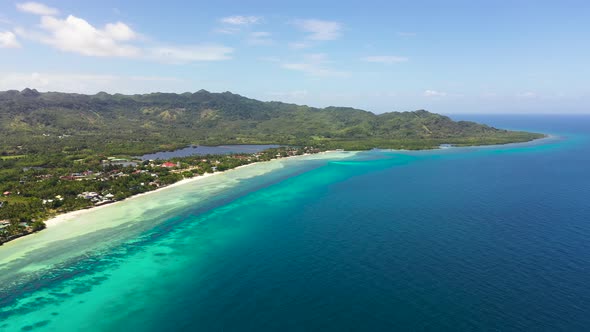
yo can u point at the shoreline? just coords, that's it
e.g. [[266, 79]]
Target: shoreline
[[547, 137], [64, 228], [77, 223], [71, 216], [62, 217]]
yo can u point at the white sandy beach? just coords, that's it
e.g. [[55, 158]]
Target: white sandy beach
[[64, 217], [139, 208], [79, 213]]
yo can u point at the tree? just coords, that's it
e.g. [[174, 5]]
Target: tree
[[14, 228], [38, 225]]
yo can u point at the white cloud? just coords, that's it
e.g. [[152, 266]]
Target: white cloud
[[320, 30], [235, 24], [434, 93], [77, 35], [185, 54], [386, 59], [8, 40], [240, 20], [120, 31], [87, 83], [37, 8], [315, 65]]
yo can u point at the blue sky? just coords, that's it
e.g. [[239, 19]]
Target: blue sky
[[444, 56]]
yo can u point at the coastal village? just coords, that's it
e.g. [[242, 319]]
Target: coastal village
[[38, 193]]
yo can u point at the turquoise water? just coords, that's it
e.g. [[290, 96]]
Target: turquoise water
[[490, 238]]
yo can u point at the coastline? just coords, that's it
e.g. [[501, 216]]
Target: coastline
[[314, 215], [73, 215], [80, 222], [540, 140], [63, 217], [141, 211]]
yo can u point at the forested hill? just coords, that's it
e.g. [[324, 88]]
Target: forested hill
[[39, 122]]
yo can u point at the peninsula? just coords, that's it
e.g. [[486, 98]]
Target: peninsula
[[61, 152]]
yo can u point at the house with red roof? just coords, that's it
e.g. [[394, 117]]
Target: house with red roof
[[168, 164]]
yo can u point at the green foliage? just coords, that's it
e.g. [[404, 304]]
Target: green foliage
[[37, 226], [33, 123]]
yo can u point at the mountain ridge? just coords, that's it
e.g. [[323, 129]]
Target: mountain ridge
[[110, 122]]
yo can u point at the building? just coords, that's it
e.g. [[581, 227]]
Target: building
[[168, 164]]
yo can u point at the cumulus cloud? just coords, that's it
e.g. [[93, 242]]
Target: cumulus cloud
[[120, 31], [8, 40], [385, 59], [434, 93], [316, 65], [320, 30], [36, 8], [240, 20], [76, 35]]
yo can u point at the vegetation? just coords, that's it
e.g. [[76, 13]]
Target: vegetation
[[55, 147], [33, 122], [33, 194]]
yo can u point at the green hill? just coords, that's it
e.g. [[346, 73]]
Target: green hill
[[33, 122]]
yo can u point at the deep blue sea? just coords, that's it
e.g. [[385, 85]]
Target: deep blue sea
[[460, 239]]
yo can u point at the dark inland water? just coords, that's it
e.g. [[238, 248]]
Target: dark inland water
[[202, 150], [459, 239]]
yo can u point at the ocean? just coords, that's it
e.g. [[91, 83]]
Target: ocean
[[458, 239]]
